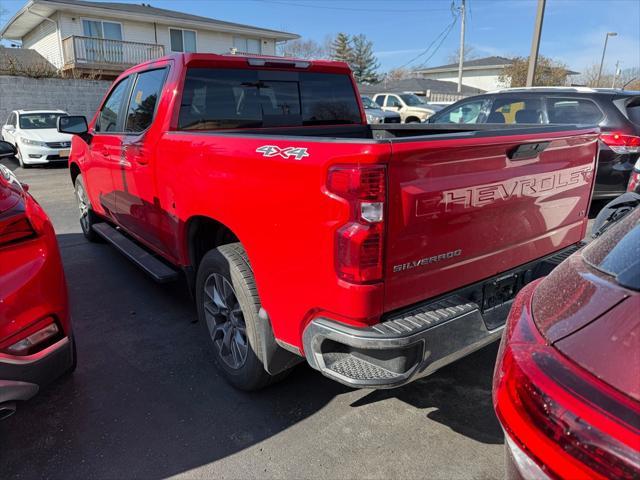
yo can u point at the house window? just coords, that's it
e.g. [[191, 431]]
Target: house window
[[182, 40], [102, 29], [247, 45]]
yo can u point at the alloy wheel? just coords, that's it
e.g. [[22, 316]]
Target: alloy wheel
[[225, 321], [83, 207]]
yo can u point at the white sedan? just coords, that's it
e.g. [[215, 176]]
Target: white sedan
[[34, 134]]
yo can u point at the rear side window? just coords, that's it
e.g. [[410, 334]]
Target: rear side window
[[516, 110], [380, 100], [617, 251], [633, 110], [573, 111], [109, 119], [230, 98], [466, 112], [144, 98]]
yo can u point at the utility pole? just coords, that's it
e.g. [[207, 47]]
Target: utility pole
[[616, 72], [535, 43], [461, 56], [604, 50]]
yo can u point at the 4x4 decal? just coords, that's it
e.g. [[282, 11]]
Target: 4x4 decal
[[297, 153]]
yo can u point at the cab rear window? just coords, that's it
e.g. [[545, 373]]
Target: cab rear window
[[229, 98]]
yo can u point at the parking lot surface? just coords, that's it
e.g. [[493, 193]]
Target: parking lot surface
[[146, 400]]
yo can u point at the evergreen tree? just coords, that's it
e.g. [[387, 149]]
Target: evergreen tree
[[364, 63], [341, 48]]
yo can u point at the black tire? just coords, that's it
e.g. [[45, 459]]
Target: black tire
[[229, 263], [20, 161], [87, 217]]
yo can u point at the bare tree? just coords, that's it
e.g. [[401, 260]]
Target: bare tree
[[398, 74], [469, 54], [309, 49]]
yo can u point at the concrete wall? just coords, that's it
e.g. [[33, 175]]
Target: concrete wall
[[77, 97]]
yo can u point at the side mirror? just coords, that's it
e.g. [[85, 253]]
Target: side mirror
[[7, 150], [9, 127], [73, 124]]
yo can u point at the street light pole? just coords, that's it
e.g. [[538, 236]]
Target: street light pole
[[535, 44], [615, 74], [461, 56], [604, 50]]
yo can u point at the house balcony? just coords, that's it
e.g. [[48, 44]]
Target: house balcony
[[105, 57]]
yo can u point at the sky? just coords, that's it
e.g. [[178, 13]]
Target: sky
[[573, 30]]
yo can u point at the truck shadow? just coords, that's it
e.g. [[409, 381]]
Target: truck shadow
[[146, 400], [458, 396]]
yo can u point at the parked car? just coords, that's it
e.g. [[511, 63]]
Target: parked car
[[412, 109], [34, 134], [567, 382], [616, 112], [36, 341], [375, 114], [309, 234]]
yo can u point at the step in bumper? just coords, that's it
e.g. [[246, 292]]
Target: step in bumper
[[398, 351]]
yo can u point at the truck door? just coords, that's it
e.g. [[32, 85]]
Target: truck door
[[105, 150], [137, 207]]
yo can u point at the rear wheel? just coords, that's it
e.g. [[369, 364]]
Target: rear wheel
[[228, 306], [87, 217]]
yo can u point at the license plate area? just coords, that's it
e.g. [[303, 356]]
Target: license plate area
[[501, 290], [497, 297], [64, 153]]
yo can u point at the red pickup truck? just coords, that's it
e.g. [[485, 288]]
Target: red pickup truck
[[378, 253]]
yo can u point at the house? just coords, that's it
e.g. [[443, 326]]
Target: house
[[482, 73], [78, 35], [432, 90]]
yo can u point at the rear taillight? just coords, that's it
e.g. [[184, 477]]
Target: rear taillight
[[620, 142], [14, 226], [569, 422], [359, 242]]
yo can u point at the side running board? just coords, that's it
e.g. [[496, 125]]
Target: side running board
[[155, 268]]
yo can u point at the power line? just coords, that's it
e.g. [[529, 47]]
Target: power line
[[423, 64], [444, 32]]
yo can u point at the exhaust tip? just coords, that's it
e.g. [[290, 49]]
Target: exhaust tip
[[7, 409]]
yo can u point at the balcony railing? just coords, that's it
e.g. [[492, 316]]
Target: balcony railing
[[96, 52]]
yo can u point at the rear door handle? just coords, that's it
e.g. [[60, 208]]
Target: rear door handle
[[526, 150]]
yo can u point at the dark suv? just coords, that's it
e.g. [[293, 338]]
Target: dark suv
[[616, 112]]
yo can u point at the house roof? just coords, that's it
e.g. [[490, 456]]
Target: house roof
[[30, 15], [17, 61], [476, 64], [417, 85]]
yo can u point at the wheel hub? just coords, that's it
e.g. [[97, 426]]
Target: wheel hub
[[225, 321]]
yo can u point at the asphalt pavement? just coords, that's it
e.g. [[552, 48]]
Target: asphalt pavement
[[147, 402]]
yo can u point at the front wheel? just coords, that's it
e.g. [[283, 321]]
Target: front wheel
[[228, 306], [87, 216]]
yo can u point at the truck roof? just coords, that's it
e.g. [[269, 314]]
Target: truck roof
[[244, 61]]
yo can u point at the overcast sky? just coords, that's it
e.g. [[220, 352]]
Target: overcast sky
[[573, 32]]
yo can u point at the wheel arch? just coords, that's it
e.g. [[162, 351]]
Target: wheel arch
[[202, 233], [74, 171]]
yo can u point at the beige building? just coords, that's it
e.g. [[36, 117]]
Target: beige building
[[481, 73], [77, 35]]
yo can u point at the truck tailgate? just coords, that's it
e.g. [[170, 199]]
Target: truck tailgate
[[465, 209]]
